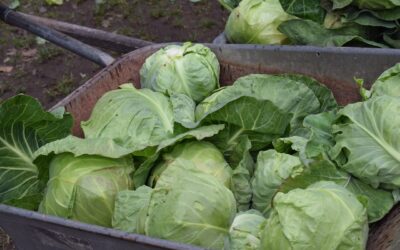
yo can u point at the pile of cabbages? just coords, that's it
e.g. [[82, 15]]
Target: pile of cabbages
[[362, 23], [270, 162]]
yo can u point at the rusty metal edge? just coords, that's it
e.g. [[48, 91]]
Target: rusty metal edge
[[283, 48], [138, 238]]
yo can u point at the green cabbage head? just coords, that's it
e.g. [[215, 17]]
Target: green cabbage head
[[322, 216], [84, 177], [186, 205], [83, 188], [245, 231], [190, 69], [257, 22], [204, 155]]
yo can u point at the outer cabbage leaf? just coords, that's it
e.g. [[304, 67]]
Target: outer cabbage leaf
[[317, 138], [183, 107], [393, 39], [191, 207], [256, 22], [385, 15], [295, 145], [245, 231], [230, 4], [135, 118], [191, 69], [313, 153], [321, 135], [368, 141], [367, 19], [24, 127], [271, 171], [379, 201], [270, 112], [242, 163], [292, 94], [307, 32], [130, 210], [324, 95], [388, 83], [311, 10], [367, 4], [323, 216], [264, 123], [78, 147]]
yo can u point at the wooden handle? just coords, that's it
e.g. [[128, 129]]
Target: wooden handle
[[95, 37], [95, 55]]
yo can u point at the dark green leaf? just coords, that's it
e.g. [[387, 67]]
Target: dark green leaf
[[310, 9], [24, 127], [306, 32]]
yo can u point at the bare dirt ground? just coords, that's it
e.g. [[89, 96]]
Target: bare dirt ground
[[50, 73]]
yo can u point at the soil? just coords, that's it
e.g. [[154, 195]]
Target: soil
[[49, 73]]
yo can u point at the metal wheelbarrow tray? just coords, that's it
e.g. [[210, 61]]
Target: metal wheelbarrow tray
[[335, 67]]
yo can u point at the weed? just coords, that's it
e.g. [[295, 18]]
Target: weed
[[146, 36], [4, 88], [127, 31], [20, 90], [63, 86], [157, 13], [176, 12], [20, 73], [207, 23], [47, 52], [177, 22], [23, 42]]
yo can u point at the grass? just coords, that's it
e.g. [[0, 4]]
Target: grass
[[47, 52], [126, 31], [4, 88], [177, 22], [63, 87], [23, 42], [157, 13], [176, 13], [146, 36], [19, 73], [207, 23]]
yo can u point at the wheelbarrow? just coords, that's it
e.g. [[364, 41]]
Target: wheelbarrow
[[335, 67]]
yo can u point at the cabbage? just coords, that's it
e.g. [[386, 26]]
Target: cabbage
[[322, 216], [368, 141], [204, 155], [257, 22], [245, 231], [186, 205], [84, 177], [190, 69], [272, 170], [135, 118]]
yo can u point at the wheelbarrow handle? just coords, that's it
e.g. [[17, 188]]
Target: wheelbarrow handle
[[14, 18]]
